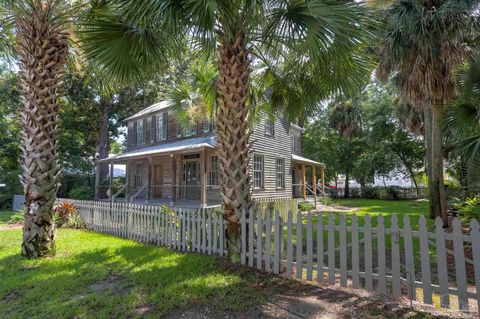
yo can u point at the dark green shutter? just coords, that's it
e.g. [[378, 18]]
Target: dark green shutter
[[165, 125], [134, 135], [144, 133], [154, 128]]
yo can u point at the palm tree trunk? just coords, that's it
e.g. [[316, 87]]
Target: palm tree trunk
[[103, 145], [440, 204], [42, 49], [428, 159], [233, 137]]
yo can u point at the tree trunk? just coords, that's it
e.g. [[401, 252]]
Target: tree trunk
[[428, 159], [42, 49], [347, 182], [103, 145], [440, 204], [233, 138]]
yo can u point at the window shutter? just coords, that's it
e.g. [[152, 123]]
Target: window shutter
[[144, 132], [154, 128], [165, 125], [134, 135]]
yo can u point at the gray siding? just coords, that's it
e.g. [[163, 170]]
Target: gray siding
[[271, 147]]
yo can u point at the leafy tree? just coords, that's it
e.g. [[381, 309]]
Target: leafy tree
[[421, 45]]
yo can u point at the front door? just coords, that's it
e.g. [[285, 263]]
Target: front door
[[191, 178], [157, 181]]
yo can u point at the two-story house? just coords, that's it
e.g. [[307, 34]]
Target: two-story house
[[168, 163]]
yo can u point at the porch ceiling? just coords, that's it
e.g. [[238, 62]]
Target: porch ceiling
[[182, 145], [304, 160]]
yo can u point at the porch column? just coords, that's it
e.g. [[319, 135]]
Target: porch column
[[97, 181], [304, 183], [203, 181], [127, 179], [149, 188], [314, 186], [322, 171], [174, 179], [110, 182]]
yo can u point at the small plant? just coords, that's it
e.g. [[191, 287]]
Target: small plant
[[17, 218], [468, 209], [82, 192], [305, 206], [66, 215]]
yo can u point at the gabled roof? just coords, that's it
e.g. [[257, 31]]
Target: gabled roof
[[181, 145], [151, 109]]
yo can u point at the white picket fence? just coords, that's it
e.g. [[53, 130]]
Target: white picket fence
[[346, 254], [398, 261], [187, 230]]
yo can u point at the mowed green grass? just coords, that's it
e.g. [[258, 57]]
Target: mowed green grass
[[101, 276]]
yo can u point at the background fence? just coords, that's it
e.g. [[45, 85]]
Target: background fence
[[416, 258], [180, 229]]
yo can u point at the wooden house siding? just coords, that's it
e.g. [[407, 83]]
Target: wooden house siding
[[271, 147]]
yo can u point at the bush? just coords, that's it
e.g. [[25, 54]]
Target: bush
[[305, 206], [17, 218], [63, 211], [468, 209], [393, 193], [370, 192], [81, 192], [74, 221]]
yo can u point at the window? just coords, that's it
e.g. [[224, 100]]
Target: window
[[269, 127], [141, 132], [214, 177], [296, 141], [161, 126], [280, 169], [138, 178], [258, 171], [188, 130]]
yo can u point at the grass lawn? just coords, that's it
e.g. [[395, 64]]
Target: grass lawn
[[100, 276]]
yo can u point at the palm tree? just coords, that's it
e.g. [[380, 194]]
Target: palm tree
[[422, 44], [42, 30], [320, 36]]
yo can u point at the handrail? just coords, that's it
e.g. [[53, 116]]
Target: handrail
[[114, 197], [138, 192]]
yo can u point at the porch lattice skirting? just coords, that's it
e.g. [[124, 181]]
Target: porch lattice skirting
[[328, 248]]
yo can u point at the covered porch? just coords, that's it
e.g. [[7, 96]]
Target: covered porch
[[305, 182], [181, 174]]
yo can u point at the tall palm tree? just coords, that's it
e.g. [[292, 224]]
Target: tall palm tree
[[322, 36], [42, 30], [422, 44]]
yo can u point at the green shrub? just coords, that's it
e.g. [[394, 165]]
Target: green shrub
[[305, 206], [370, 192], [17, 218], [468, 209], [393, 193], [81, 192], [74, 221]]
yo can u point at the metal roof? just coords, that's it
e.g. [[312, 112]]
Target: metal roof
[[151, 109], [186, 144], [298, 158]]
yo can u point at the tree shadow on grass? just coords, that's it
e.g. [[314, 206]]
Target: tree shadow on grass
[[113, 283]]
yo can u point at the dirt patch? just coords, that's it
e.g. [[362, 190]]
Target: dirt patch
[[312, 301], [112, 284], [335, 208], [10, 226]]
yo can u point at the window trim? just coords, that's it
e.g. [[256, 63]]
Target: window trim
[[214, 173], [141, 138], [261, 171], [163, 129], [277, 172], [269, 128]]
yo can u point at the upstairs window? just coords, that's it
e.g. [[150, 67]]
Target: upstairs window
[[141, 134], [187, 130], [280, 170], [258, 171], [214, 176], [297, 144], [269, 127], [161, 121]]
